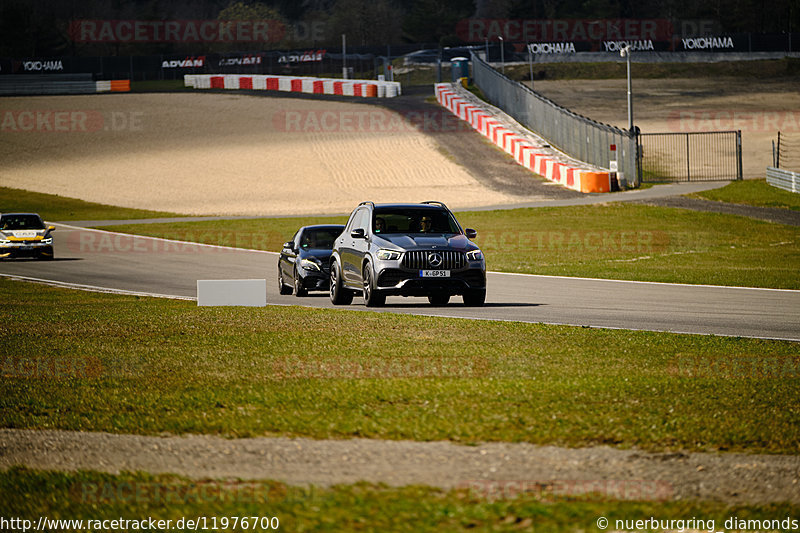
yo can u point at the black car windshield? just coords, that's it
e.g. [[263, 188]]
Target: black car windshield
[[319, 239], [15, 222], [409, 220]]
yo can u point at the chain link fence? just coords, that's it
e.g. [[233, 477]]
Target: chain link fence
[[577, 136], [696, 156]]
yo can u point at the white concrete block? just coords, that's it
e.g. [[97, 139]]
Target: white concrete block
[[239, 292]]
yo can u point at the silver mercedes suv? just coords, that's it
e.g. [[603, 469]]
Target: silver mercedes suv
[[406, 250]]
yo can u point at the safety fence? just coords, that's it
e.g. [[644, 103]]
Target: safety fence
[[525, 148], [59, 84], [363, 88], [694, 156], [577, 136]]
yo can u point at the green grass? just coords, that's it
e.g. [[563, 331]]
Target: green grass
[[618, 241], [124, 364], [753, 192], [59, 208], [29, 494]]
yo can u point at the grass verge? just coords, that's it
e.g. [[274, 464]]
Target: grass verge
[[59, 208], [753, 192], [30, 494], [138, 365], [615, 241]]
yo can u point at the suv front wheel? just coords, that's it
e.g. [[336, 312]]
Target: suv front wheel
[[372, 298], [339, 295], [475, 298]]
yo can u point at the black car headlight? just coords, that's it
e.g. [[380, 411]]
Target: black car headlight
[[308, 264]]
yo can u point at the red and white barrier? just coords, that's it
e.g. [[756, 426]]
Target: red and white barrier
[[540, 159], [261, 82]]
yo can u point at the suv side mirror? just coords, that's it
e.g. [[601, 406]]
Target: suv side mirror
[[289, 245], [358, 233], [470, 233], [51, 228]]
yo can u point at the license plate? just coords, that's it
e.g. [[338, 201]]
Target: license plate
[[434, 273], [27, 247]]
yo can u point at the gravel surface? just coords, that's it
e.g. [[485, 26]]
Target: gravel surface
[[235, 153], [732, 478]]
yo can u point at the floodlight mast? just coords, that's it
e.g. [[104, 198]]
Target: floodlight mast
[[502, 53], [625, 51]]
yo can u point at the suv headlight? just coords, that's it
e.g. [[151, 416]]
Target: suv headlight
[[475, 255], [308, 264], [388, 255]]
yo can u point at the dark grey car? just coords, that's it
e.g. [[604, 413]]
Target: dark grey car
[[406, 250], [303, 263]]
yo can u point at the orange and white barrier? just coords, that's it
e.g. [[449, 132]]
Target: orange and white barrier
[[115, 86], [529, 153], [363, 88]]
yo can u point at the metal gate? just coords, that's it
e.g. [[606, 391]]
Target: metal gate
[[696, 156]]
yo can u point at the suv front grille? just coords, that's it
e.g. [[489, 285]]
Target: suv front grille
[[419, 260]]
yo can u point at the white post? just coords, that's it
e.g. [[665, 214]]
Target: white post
[[344, 56], [530, 62], [502, 54], [626, 52]]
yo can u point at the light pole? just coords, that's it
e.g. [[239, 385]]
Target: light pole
[[626, 52], [344, 56], [530, 62], [502, 55]]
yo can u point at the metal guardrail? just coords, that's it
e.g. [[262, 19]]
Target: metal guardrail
[[695, 156], [577, 136], [783, 179], [47, 84]]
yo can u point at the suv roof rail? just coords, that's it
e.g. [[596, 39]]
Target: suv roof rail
[[368, 203], [435, 202]]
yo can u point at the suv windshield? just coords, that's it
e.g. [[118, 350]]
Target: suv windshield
[[409, 220], [15, 222]]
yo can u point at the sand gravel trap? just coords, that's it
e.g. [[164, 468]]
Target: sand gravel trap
[[226, 154], [487, 468]]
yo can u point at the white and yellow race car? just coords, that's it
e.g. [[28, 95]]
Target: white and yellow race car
[[25, 235]]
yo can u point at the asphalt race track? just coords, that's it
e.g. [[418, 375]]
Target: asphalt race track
[[160, 267]]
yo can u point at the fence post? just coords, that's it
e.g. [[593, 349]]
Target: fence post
[[639, 171], [738, 154], [688, 161]]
